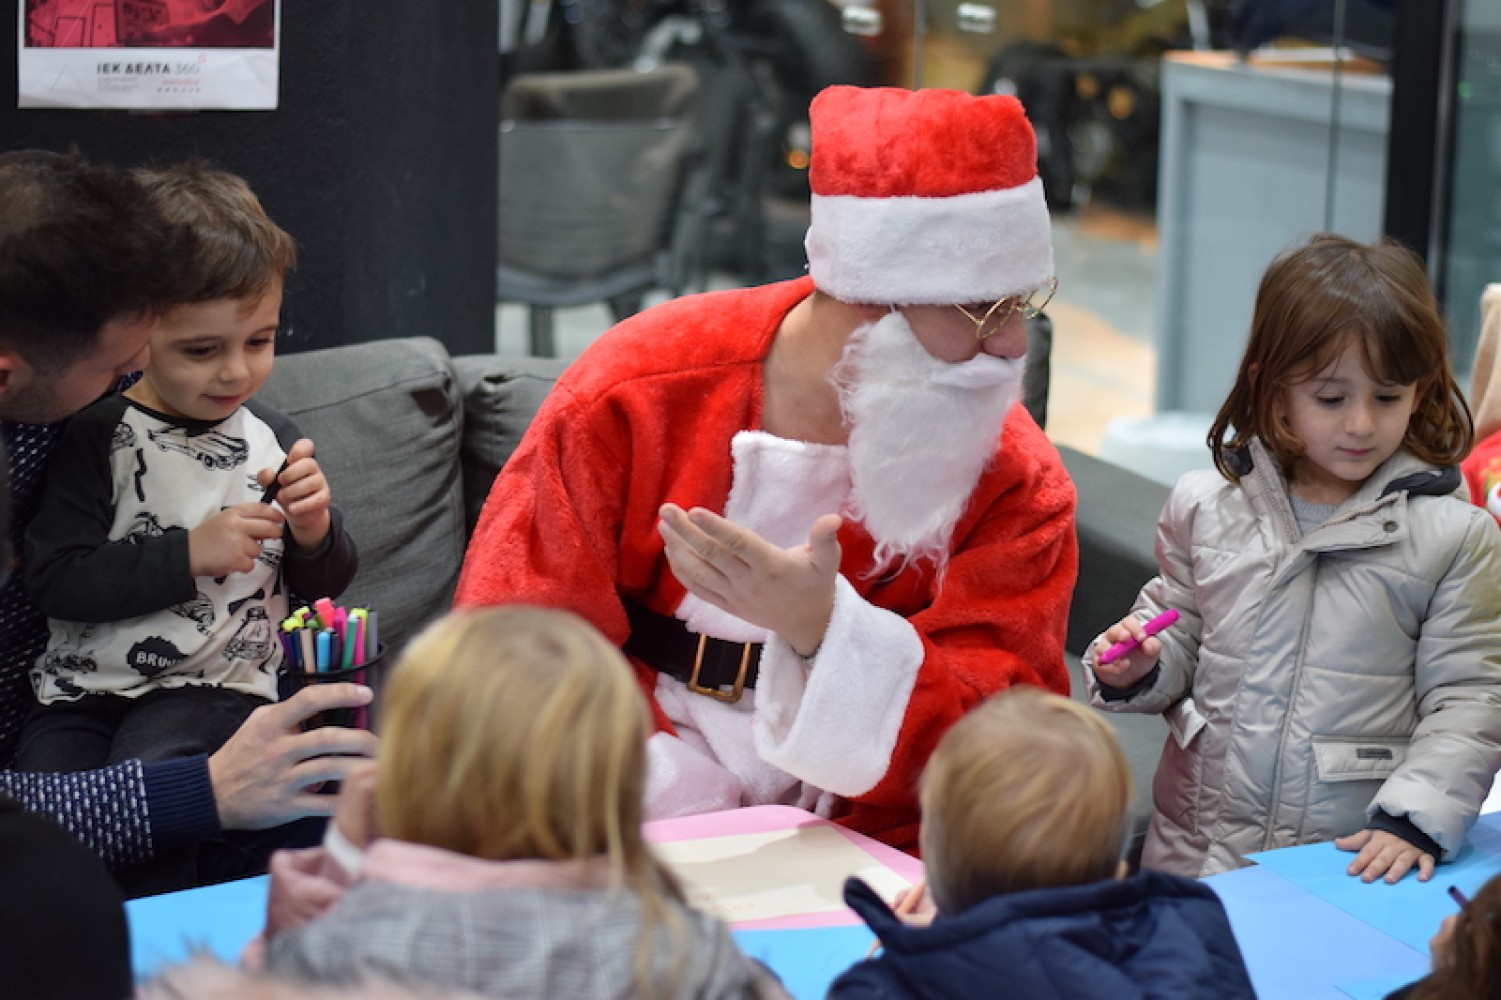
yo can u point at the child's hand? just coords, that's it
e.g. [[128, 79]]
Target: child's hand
[[304, 495], [1134, 665], [230, 541], [1383, 853], [1440, 944], [915, 905]]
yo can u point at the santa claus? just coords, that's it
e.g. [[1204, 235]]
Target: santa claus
[[810, 512]]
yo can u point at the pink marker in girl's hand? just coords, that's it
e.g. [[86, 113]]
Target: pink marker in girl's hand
[[1152, 627]]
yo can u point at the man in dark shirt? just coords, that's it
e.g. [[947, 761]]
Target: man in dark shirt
[[85, 267]]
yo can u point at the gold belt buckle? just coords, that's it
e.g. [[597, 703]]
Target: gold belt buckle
[[731, 696]]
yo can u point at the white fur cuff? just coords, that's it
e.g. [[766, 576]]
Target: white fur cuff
[[835, 724]]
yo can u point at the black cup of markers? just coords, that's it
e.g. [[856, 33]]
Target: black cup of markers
[[371, 673]]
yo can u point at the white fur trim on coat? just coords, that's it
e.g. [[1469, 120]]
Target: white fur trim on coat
[[778, 488], [930, 251], [835, 724]]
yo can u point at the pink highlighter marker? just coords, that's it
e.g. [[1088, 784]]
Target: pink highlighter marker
[[1152, 627]]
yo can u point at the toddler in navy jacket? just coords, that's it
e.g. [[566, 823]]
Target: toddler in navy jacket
[[1024, 816]]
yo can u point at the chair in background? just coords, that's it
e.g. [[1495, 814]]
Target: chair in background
[[598, 190], [735, 129]]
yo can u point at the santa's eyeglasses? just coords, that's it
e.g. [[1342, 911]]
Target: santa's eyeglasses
[[995, 314]]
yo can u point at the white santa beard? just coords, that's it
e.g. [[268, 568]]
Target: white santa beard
[[921, 434]]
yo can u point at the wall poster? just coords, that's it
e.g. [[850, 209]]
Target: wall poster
[[149, 54]]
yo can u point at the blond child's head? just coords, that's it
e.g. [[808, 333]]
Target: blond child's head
[[1029, 790], [514, 732]]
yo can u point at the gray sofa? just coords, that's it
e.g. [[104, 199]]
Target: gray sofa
[[411, 440]]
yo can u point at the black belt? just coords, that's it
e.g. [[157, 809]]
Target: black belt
[[708, 666]]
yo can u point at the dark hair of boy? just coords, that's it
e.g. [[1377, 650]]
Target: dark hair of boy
[[240, 252]]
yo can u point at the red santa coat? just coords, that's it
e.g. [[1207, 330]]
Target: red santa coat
[[1482, 472], [648, 415]]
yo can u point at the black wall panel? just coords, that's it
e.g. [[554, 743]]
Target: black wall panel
[[380, 161]]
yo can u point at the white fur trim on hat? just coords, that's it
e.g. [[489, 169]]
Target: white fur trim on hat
[[930, 251]]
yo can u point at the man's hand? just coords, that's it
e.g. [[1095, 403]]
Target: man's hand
[[1383, 853], [303, 494], [230, 541], [789, 591], [262, 774]]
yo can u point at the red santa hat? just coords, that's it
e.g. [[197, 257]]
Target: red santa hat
[[924, 197]]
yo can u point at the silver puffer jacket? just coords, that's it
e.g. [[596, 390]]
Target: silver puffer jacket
[[1314, 679]]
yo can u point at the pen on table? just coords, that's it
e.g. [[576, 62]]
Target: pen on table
[[1458, 896], [1151, 628], [909, 902], [274, 487]]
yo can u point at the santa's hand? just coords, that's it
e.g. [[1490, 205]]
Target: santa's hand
[[789, 591]]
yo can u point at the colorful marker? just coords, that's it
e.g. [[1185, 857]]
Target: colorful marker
[[309, 657], [1458, 896], [357, 622], [325, 644], [1151, 628], [324, 611]]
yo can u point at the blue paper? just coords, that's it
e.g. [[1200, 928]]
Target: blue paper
[[217, 919], [222, 919], [1409, 911], [808, 959], [1299, 947]]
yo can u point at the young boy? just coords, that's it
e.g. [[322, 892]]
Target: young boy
[[163, 572], [1024, 806]]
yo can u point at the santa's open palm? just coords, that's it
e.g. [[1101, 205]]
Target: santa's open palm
[[789, 591]]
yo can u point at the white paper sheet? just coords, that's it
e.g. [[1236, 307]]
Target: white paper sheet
[[760, 876]]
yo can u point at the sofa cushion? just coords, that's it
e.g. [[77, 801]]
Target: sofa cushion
[[501, 395], [387, 421]]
